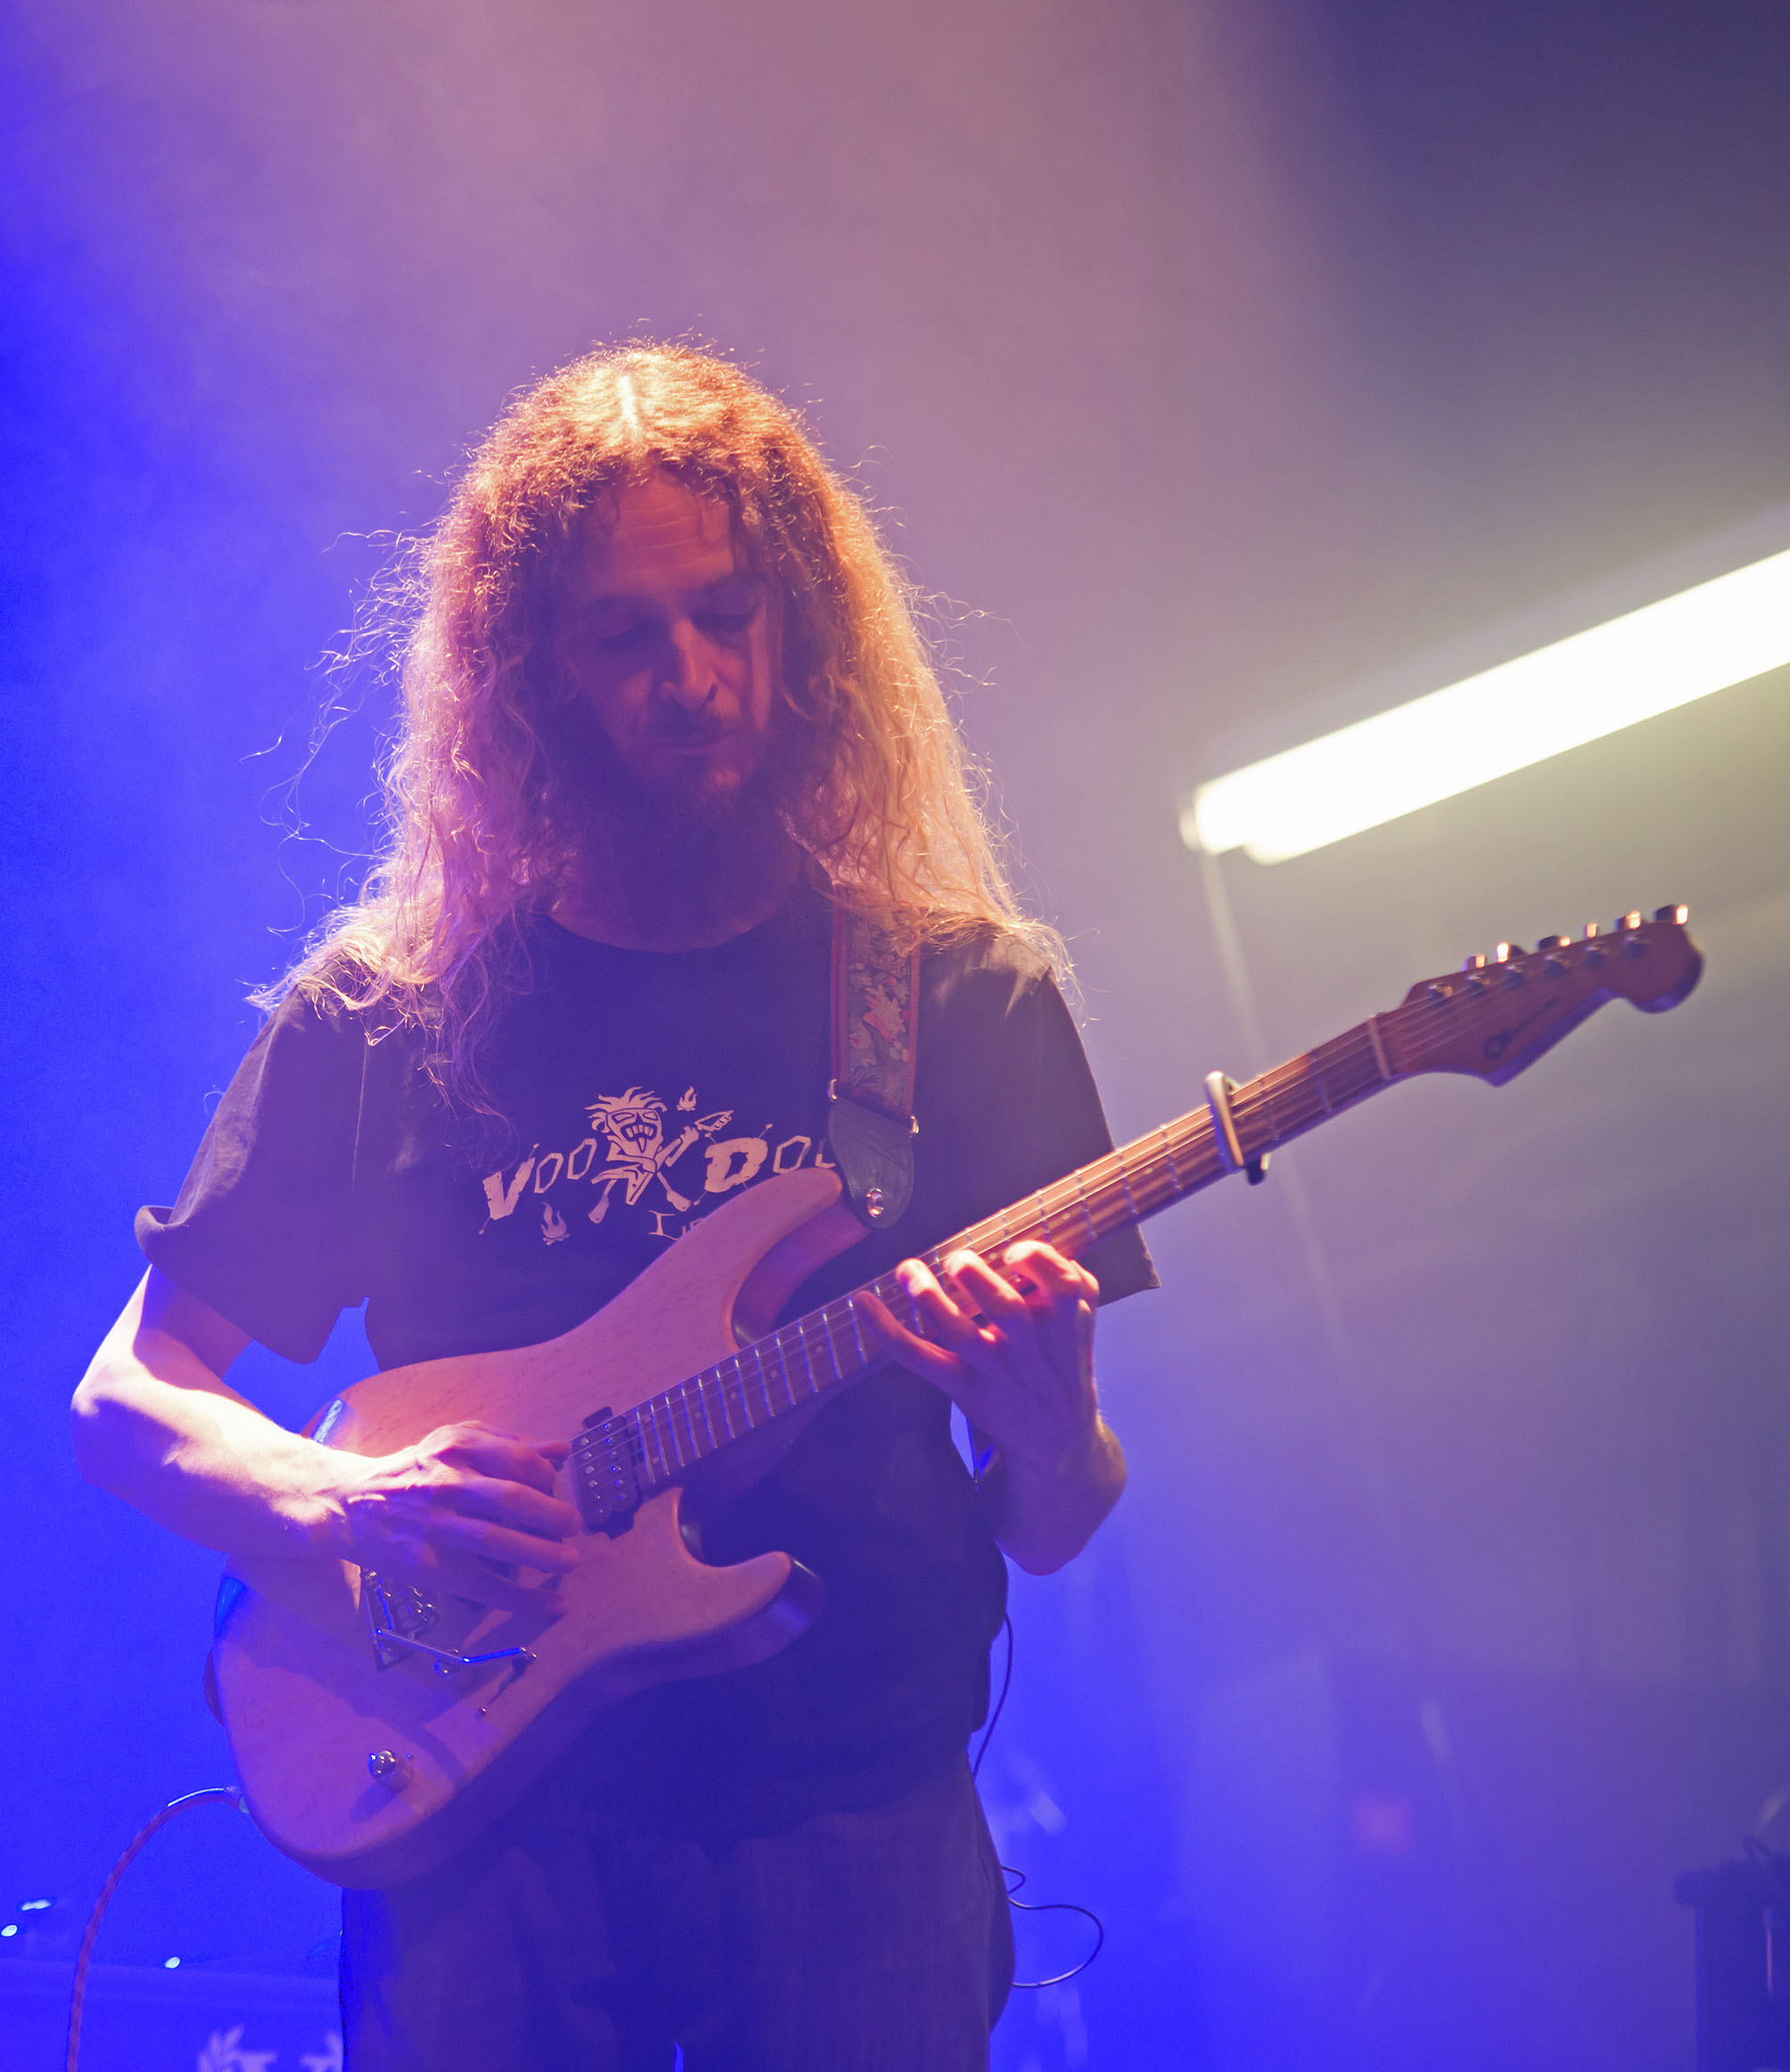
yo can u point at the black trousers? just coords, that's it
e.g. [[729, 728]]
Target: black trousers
[[876, 1941]]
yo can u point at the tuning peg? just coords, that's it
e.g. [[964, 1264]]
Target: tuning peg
[[1624, 922], [1544, 943], [1679, 914], [1473, 964], [1506, 951]]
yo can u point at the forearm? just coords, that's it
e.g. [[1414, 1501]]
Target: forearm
[[1042, 1517], [155, 1425]]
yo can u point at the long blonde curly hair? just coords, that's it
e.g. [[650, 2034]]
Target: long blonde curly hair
[[895, 822]]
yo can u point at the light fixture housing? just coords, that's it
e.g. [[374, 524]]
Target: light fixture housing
[[1646, 662]]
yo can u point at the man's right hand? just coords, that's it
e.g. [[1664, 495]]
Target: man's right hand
[[463, 1510], [466, 1509]]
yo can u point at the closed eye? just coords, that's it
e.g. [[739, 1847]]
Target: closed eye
[[621, 626], [631, 636], [614, 630], [736, 621], [730, 607]]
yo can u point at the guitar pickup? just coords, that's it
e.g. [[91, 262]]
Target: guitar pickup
[[604, 1461]]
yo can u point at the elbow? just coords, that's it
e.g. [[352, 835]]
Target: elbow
[[93, 1419]]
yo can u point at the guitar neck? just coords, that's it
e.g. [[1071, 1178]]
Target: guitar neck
[[827, 1348]]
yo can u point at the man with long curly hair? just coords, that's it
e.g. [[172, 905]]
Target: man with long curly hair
[[666, 717]]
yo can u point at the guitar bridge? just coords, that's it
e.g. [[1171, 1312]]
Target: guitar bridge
[[396, 1615], [396, 1612]]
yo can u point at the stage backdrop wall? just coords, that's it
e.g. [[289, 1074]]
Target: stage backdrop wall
[[1220, 369]]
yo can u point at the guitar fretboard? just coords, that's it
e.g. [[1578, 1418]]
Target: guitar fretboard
[[829, 1347]]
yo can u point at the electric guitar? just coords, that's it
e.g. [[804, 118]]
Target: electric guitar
[[375, 1729]]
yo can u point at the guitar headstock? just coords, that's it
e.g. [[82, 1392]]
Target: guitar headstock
[[1496, 1016]]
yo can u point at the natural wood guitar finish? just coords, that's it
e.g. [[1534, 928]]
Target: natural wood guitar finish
[[376, 1730]]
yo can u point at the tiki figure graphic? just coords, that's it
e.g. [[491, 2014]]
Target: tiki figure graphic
[[634, 1129]]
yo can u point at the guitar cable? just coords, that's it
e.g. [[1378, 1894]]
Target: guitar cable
[[1018, 1878], [210, 1794], [232, 1794], [995, 1716]]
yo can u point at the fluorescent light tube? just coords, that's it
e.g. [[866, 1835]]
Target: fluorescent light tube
[[1561, 696]]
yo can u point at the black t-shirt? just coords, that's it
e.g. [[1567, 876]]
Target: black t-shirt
[[639, 1091]]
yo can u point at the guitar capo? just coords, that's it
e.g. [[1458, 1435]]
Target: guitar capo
[[1219, 1091]]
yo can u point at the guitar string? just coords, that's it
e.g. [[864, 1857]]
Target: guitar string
[[1060, 1198], [1330, 1059], [1306, 1074], [1063, 1198]]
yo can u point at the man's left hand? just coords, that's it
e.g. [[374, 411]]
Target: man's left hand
[[1015, 1351]]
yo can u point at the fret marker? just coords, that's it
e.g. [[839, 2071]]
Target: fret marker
[[1125, 1185]]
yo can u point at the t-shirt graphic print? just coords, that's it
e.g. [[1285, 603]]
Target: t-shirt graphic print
[[661, 1160]]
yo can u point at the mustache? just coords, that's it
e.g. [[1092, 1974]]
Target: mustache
[[680, 728], [588, 785]]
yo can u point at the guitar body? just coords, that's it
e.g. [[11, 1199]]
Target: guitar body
[[371, 1747], [314, 1719]]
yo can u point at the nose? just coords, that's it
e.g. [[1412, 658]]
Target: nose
[[689, 675]]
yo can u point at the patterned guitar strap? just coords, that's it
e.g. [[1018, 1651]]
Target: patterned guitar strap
[[870, 1127]]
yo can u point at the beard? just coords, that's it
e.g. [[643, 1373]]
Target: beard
[[663, 855]]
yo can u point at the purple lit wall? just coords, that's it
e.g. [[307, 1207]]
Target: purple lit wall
[[1225, 369]]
